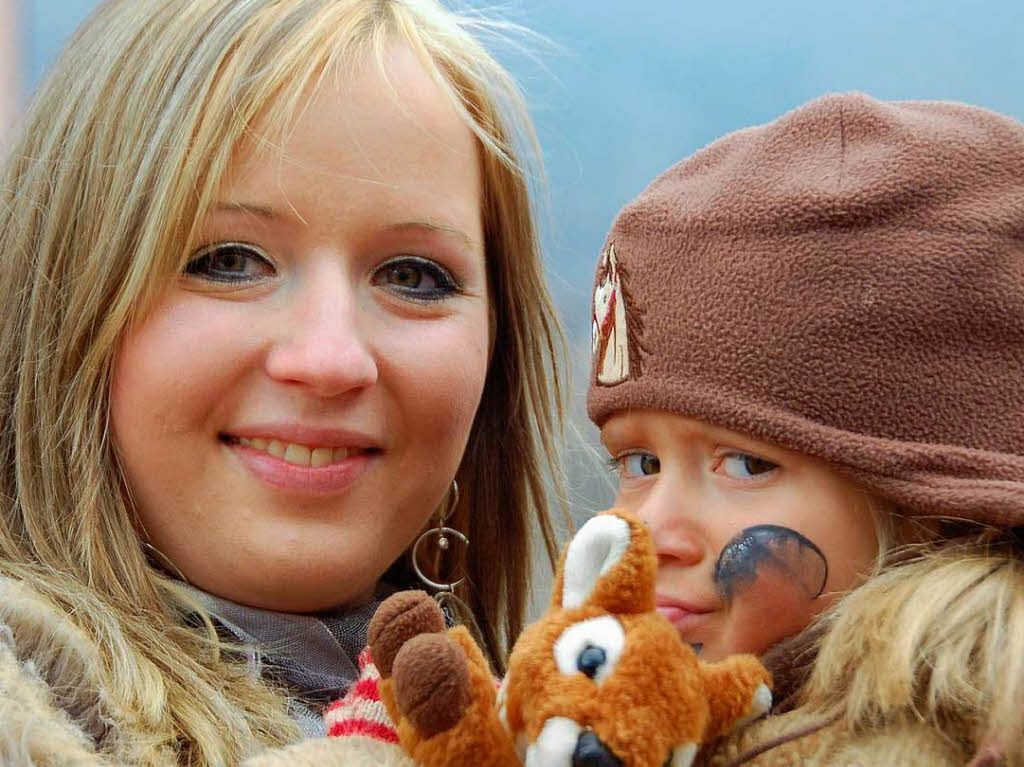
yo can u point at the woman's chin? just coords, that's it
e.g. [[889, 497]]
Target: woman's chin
[[284, 594]]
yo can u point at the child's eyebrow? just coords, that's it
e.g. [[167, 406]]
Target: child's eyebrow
[[613, 430]]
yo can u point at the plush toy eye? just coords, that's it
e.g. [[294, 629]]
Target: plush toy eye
[[590, 660], [591, 647]]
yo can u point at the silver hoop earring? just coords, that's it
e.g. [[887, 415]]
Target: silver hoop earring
[[455, 610], [441, 533]]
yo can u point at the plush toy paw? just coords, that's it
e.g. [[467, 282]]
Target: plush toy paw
[[759, 706], [431, 679], [398, 619], [436, 686]]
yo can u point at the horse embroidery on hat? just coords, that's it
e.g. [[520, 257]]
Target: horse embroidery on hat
[[615, 324]]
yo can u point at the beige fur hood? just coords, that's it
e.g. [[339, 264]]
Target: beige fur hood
[[54, 711]]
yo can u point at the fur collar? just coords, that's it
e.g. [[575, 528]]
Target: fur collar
[[54, 709]]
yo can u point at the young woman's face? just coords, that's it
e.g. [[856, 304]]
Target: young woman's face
[[752, 540], [297, 404]]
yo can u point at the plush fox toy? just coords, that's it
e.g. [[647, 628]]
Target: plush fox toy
[[600, 680]]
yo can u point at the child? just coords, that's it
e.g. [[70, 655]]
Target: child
[[263, 270], [808, 359]]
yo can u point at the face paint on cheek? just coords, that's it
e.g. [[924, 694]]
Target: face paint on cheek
[[771, 560]]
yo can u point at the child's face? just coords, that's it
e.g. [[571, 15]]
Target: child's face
[[752, 540], [295, 407]]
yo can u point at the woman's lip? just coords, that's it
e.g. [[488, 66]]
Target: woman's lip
[[300, 434], [332, 478]]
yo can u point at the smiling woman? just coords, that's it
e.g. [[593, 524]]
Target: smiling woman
[[336, 312], [263, 268]]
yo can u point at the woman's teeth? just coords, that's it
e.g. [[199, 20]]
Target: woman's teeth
[[300, 455]]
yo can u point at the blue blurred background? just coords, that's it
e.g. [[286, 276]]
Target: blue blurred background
[[627, 88]]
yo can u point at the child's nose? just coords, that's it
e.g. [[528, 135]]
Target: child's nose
[[674, 529], [324, 342]]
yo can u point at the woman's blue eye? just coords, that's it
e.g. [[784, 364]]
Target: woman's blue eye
[[230, 262], [638, 464], [745, 466], [417, 278]]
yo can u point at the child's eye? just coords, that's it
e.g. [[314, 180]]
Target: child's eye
[[230, 262], [636, 464], [416, 278], [744, 466]]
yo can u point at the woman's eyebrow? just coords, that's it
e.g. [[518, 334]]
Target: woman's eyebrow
[[429, 227], [403, 227], [260, 211]]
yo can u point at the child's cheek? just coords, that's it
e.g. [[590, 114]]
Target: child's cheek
[[771, 577]]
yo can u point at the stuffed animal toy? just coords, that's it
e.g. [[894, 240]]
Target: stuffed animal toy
[[600, 680]]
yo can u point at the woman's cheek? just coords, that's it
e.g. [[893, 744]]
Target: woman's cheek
[[439, 374]]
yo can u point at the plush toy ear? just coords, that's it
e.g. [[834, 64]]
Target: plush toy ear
[[609, 563]]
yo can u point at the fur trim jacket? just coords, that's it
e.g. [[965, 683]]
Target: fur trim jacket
[[799, 738], [54, 711], [51, 713]]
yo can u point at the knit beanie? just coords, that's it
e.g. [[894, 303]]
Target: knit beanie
[[846, 282]]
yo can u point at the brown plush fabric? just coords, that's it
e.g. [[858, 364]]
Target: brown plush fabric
[[401, 616], [479, 737], [848, 282], [432, 686]]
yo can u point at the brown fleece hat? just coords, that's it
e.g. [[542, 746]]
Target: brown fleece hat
[[846, 281]]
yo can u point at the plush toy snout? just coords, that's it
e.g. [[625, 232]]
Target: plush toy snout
[[564, 742]]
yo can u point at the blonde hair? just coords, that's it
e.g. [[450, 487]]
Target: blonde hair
[[957, 659], [122, 153]]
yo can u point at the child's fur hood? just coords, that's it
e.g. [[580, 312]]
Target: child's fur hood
[[921, 660]]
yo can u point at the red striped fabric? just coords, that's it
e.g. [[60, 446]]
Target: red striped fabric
[[360, 712], [375, 730]]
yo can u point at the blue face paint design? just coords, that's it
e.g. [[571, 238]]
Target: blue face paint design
[[792, 557]]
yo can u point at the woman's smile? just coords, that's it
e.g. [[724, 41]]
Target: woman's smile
[[303, 459]]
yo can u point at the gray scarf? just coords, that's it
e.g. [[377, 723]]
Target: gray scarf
[[313, 656]]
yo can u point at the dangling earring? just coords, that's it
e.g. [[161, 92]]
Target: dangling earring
[[456, 611]]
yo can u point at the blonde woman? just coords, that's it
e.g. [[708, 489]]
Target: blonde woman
[[270, 283]]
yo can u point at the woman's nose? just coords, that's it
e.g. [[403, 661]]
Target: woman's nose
[[673, 521], [322, 339]]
